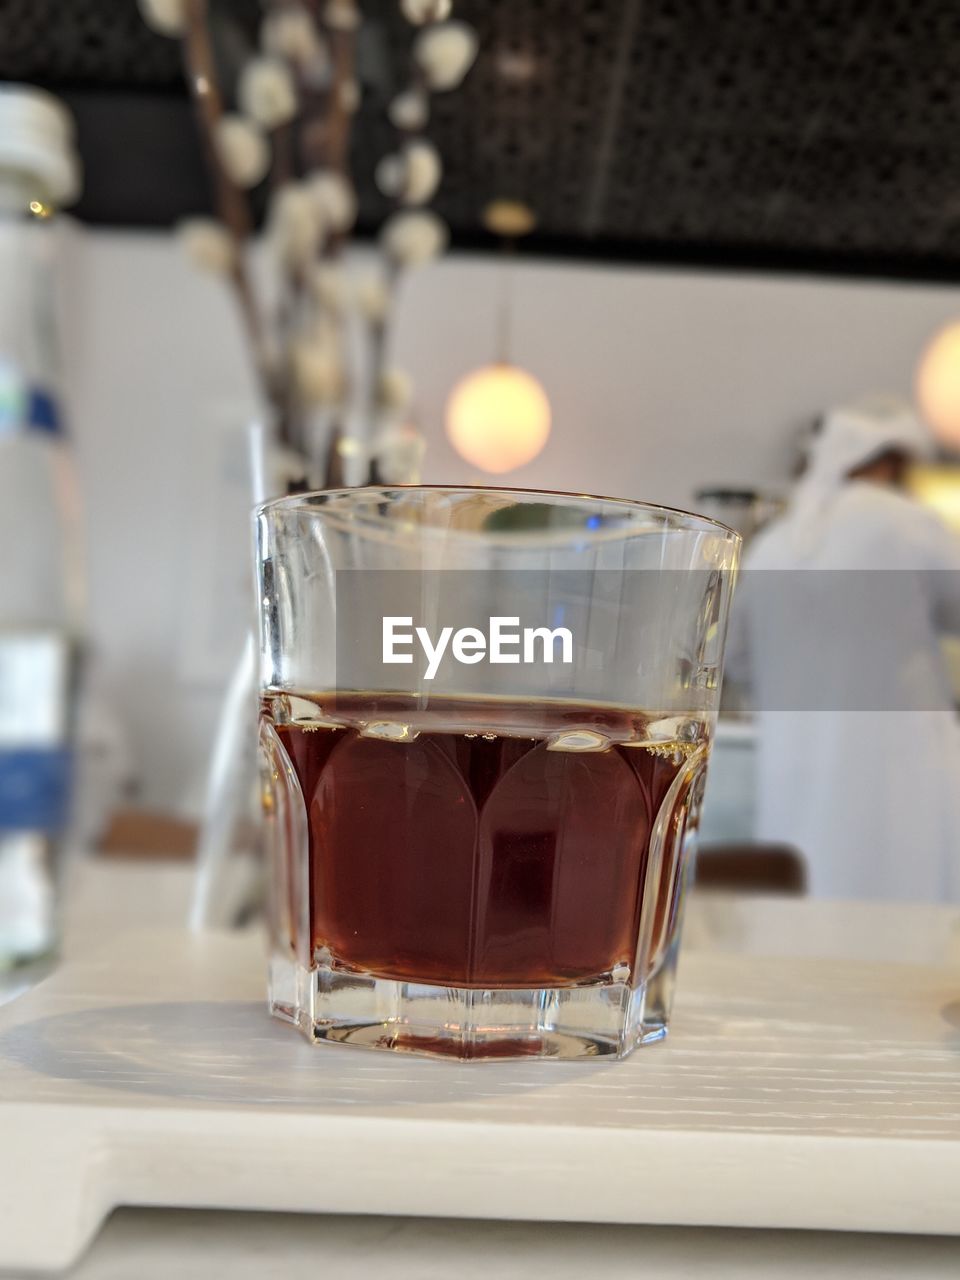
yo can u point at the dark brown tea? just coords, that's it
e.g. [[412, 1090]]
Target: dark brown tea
[[485, 843]]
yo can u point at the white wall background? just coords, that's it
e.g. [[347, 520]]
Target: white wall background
[[660, 381]]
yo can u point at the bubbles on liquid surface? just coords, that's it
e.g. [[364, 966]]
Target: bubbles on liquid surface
[[289, 708], [579, 740], [389, 730], [674, 729]]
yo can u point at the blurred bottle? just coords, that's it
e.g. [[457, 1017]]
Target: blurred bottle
[[746, 510], [40, 580]]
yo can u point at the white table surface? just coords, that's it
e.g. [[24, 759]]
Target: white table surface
[[148, 1243]]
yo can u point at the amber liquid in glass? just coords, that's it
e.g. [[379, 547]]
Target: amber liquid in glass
[[484, 843]]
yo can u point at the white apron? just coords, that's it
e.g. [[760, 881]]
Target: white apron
[[869, 795]]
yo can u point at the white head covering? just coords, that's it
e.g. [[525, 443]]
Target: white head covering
[[850, 437]]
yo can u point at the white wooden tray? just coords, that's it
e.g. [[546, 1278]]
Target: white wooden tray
[[790, 1093]]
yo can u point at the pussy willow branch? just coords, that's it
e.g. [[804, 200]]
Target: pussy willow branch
[[378, 331], [377, 335], [231, 204], [325, 143]]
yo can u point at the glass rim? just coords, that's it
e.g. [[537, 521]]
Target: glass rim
[[679, 519]]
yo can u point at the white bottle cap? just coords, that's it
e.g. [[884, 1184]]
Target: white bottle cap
[[37, 137]]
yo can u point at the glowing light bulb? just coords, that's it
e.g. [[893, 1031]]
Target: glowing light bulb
[[498, 418], [938, 385]]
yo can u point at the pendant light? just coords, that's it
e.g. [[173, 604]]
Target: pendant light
[[938, 385], [498, 416]]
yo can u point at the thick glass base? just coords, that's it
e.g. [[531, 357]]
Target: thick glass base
[[604, 1018]]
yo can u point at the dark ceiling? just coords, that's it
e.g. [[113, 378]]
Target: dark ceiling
[[817, 135]]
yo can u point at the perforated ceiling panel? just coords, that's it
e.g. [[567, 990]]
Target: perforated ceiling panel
[[811, 134]]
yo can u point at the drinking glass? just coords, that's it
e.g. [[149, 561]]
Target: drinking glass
[[485, 722]]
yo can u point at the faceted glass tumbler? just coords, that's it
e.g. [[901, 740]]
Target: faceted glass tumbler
[[486, 716]]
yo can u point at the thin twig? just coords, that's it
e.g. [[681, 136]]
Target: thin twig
[[325, 143], [338, 126]]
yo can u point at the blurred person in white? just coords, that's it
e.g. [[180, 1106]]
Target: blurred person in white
[[858, 741]]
